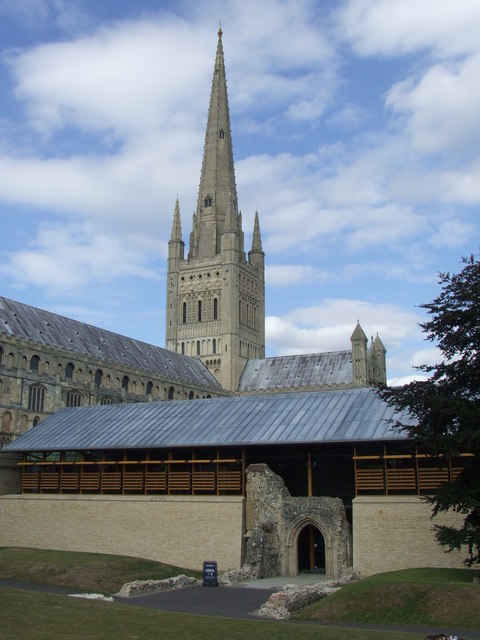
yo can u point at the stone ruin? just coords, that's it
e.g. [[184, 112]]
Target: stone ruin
[[274, 520]]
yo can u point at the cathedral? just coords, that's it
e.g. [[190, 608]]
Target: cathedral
[[206, 449], [215, 320]]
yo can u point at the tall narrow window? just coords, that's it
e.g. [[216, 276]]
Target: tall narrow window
[[36, 397], [98, 377], [222, 134], [208, 201], [215, 309], [74, 399], [183, 348], [69, 371], [125, 382], [214, 346], [149, 388], [171, 391], [184, 313], [199, 310], [198, 347]]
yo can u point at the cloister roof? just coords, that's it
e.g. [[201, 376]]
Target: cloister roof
[[352, 415]]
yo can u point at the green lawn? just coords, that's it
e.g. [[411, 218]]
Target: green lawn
[[39, 616], [92, 572], [439, 598], [414, 596]]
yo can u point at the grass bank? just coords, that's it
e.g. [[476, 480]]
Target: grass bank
[[95, 572], [414, 596], [39, 616]]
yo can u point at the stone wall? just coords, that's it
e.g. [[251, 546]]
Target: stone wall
[[395, 532], [179, 530], [275, 519]]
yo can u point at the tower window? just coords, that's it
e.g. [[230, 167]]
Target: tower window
[[198, 347], [208, 201], [214, 345], [222, 134], [215, 309], [184, 313], [199, 310]]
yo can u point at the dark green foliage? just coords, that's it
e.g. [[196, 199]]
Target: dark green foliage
[[446, 406]]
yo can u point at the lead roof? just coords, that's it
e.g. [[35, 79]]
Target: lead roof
[[52, 330], [298, 371], [352, 415]]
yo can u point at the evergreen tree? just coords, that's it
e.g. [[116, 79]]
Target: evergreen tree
[[446, 406]]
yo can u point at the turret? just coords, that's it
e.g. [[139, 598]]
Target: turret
[[377, 366], [359, 356]]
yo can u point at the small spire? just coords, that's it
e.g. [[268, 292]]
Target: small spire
[[257, 238], [359, 334], [220, 32], [176, 226]]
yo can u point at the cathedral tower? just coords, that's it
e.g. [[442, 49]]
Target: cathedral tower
[[215, 296]]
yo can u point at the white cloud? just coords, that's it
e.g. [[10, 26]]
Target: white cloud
[[328, 327], [442, 107], [104, 81], [285, 275], [400, 27], [66, 258]]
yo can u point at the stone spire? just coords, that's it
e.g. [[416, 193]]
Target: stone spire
[[257, 238], [217, 193], [176, 226]]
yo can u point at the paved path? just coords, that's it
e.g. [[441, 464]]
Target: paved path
[[238, 602]]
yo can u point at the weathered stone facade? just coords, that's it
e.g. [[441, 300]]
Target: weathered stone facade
[[48, 362], [275, 520], [215, 295]]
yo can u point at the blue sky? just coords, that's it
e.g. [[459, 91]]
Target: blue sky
[[356, 136]]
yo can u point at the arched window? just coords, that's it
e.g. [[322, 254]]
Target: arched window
[[171, 391], [208, 201], [36, 397], [125, 382], [214, 345], [149, 388], [98, 378], [221, 135], [190, 395], [215, 309], [184, 313], [183, 348], [199, 310], [10, 360], [74, 399], [107, 400], [7, 422], [69, 371], [198, 347], [34, 363], [36, 420]]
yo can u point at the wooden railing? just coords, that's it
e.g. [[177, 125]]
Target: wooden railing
[[131, 482], [412, 477]]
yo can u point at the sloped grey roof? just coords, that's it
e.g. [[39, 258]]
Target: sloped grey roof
[[351, 415], [50, 329], [295, 372]]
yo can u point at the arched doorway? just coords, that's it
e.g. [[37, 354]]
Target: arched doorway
[[310, 550]]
